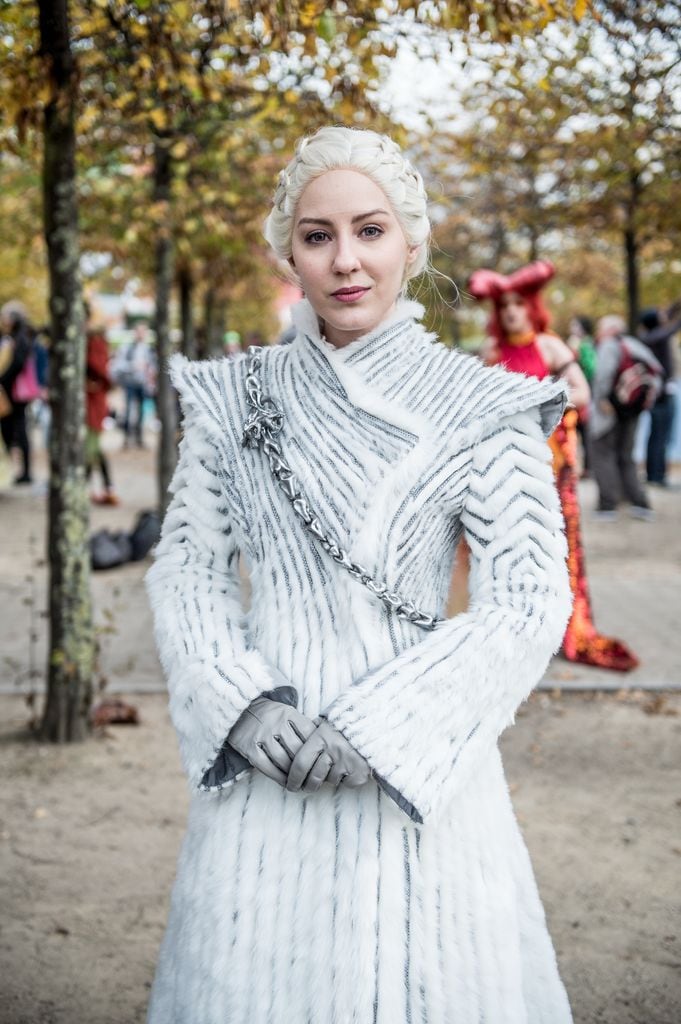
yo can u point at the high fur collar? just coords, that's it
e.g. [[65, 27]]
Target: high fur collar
[[307, 325]]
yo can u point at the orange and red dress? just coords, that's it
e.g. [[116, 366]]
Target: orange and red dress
[[582, 642]]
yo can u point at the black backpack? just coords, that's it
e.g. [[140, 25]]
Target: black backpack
[[109, 548], [146, 532]]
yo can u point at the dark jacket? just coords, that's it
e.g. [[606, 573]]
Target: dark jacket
[[659, 341], [21, 346]]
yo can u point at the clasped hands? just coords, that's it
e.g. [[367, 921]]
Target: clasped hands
[[293, 750]]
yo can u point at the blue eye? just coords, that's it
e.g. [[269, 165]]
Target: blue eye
[[315, 237], [372, 231]]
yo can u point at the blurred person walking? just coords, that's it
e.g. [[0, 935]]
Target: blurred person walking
[[18, 381], [97, 385], [135, 372], [581, 342], [657, 328], [40, 410], [628, 380], [520, 340]]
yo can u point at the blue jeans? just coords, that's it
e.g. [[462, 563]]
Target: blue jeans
[[661, 422], [132, 424]]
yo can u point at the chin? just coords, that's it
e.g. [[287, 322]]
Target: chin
[[352, 320]]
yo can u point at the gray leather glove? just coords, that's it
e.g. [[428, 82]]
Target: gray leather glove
[[269, 735], [326, 756]]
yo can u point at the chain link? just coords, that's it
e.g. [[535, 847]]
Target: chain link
[[264, 422]]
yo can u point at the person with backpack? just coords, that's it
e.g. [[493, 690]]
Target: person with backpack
[[628, 380]]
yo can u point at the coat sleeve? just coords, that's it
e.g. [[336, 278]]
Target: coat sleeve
[[213, 672], [429, 718]]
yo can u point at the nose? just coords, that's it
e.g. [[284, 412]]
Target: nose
[[346, 258]]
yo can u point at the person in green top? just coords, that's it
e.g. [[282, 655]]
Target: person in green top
[[581, 342]]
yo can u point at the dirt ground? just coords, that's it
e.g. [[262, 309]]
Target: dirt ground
[[89, 835]]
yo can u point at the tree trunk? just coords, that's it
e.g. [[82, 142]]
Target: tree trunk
[[209, 316], [533, 232], [632, 276], [631, 253], [533, 211], [499, 241], [71, 635], [186, 285], [163, 270], [217, 348]]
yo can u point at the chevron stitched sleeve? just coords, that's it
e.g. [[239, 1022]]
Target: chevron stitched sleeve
[[428, 718], [198, 618]]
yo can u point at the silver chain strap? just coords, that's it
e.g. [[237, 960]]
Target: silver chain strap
[[265, 421]]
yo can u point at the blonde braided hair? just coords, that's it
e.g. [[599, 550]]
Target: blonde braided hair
[[357, 149]]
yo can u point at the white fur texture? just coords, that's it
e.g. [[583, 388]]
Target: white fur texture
[[335, 908]]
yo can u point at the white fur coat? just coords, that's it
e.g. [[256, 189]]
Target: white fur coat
[[411, 899]]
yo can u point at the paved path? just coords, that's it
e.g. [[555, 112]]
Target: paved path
[[634, 569]]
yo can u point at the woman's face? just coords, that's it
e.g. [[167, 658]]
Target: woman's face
[[513, 315], [349, 252]]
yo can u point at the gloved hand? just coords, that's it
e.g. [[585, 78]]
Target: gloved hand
[[326, 756], [269, 735]]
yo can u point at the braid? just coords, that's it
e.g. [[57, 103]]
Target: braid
[[377, 156]]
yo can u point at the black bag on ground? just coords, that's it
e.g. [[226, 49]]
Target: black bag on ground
[[146, 532], [108, 549]]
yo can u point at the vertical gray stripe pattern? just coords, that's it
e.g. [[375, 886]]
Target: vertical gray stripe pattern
[[335, 908]]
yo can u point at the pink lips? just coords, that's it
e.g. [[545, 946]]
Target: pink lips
[[349, 294]]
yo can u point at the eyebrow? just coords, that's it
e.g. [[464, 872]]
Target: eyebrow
[[328, 224]]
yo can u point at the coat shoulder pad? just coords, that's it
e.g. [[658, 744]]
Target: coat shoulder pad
[[482, 395], [213, 391]]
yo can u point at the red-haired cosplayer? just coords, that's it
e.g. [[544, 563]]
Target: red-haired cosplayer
[[520, 339]]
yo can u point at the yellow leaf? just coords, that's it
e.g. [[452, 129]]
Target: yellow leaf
[[158, 119]]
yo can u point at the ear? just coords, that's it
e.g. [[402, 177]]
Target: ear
[[412, 252]]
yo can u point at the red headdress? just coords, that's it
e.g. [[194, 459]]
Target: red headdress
[[528, 281]]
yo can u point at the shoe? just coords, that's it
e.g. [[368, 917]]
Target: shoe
[[105, 499], [646, 515], [23, 479], [604, 515]]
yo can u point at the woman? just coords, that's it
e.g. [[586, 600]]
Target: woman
[[16, 340], [97, 386], [368, 867], [521, 341], [580, 341]]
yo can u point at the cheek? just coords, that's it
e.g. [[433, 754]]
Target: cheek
[[306, 266], [386, 261]]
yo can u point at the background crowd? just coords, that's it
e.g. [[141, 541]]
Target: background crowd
[[628, 377]]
